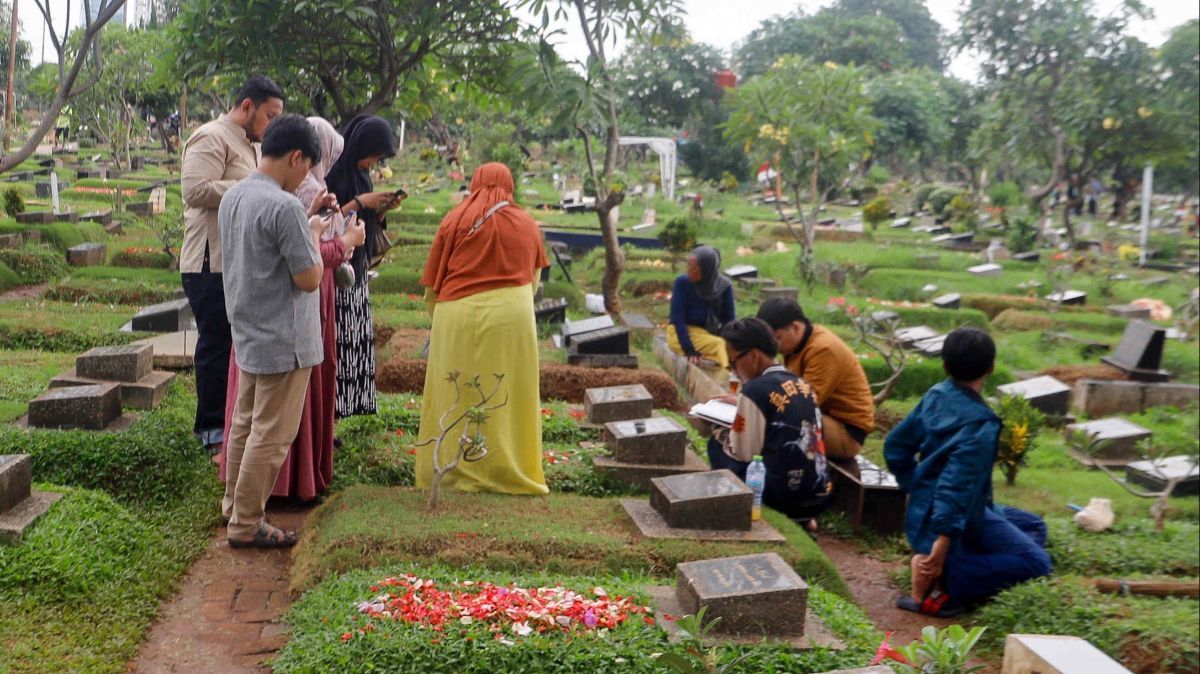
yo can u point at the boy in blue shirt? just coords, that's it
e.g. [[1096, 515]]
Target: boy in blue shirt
[[967, 549]]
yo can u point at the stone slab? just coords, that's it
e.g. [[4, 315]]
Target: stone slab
[[753, 595], [164, 317], [16, 521], [637, 322], [35, 217], [617, 403], [714, 499], [948, 301], [606, 341], [868, 494], [931, 347], [1052, 654], [103, 217], [145, 394], [652, 525], [1130, 311], [1139, 354], [174, 350], [1068, 297], [16, 476], [781, 292], [1101, 397], [602, 360], [1154, 475], [989, 270], [551, 312], [639, 475], [1170, 394], [1027, 256], [816, 634], [755, 282], [1120, 437], [1045, 393], [125, 363], [573, 328], [87, 254], [67, 216], [741, 271], [901, 223], [651, 441], [909, 336], [91, 407]]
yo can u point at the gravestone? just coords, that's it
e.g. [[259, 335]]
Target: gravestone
[[1053, 654], [171, 316], [144, 208], [752, 282], [711, 500], [11, 240], [43, 190], [20, 506], [130, 362], [35, 217], [637, 322], [1130, 311], [1116, 438], [741, 271], [1140, 352], [901, 223], [67, 216], [987, 270], [1101, 397], [574, 328], [757, 594], [88, 173], [868, 494], [658, 441], [931, 347], [91, 407], [607, 341], [1154, 475], [781, 292], [909, 336], [87, 254], [103, 217], [602, 360], [145, 394], [1027, 256], [1068, 297], [1044, 393], [954, 239], [551, 312], [948, 301], [884, 316], [617, 403]]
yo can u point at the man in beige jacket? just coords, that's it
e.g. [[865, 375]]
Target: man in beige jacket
[[215, 157]]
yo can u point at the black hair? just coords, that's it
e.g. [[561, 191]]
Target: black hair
[[750, 333], [780, 312], [259, 89], [968, 354], [288, 133]]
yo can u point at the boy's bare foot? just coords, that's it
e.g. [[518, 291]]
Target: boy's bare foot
[[921, 583], [811, 526]]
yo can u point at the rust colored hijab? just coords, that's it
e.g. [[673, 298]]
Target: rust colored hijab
[[473, 253]]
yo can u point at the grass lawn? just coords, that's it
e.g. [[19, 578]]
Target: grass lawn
[[24, 376]]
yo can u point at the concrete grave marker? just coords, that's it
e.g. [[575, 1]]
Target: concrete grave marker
[[606, 341], [574, 328], [20, 506], [1130, 311], [618, 403], [130, 362], [868, 494], [711, 500], [1117, 438], [901, 223], [1027, 256], [931, 347], [741, 271], [552, 312], [1045, 393], [781, 292], [756, 594], [637, 322], [1052, 654], [652, 441], [91, 407], [987, 270], [1068, 297], [753, 282], [1140, 352], [948, 301], [909, 336], [170, 316], [1154, 475], [86, 254]]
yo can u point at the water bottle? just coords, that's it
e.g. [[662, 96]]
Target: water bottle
[[756, 479]]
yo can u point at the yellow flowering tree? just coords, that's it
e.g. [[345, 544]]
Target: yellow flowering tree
[[813, 122], [1022, 422]]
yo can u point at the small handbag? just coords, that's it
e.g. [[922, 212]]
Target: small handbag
[[382, 245]]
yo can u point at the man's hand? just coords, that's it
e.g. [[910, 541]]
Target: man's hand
[[732, 400], [355, 234], [325, 199], [318, 225], [932, 564]]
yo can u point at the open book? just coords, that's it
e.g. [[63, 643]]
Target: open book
[[715, 411]]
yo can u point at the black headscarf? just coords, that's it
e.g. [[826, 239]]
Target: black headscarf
[[366, 136], [712, 284]]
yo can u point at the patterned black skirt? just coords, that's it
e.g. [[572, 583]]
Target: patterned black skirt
[[356, 352]]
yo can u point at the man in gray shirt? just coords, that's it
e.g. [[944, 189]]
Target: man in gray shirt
[[272, 270]]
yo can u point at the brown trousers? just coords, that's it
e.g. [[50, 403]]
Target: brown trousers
[[838, 443], [265, 421]]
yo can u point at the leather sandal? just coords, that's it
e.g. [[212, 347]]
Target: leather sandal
[[267, 537]]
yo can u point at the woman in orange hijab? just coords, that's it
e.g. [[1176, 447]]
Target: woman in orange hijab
[[482, 274]]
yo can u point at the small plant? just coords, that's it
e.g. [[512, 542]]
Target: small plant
[[695, 658], [921, 196], [1004, 195], [940, 200], [1018, 437], [729, 182], [472, 445], [14, 203], [962, 209], [1022, 234], [944, 651], [678, 236], [876, 211]]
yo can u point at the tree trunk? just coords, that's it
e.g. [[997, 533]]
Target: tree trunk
[[614, 257]]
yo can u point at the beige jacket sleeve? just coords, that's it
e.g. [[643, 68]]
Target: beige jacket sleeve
[[204, 164]]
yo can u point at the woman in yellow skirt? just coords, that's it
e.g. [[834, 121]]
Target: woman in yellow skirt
[[482, 273], [701, 302]]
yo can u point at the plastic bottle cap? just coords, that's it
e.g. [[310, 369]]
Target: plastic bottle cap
[[758, 457]]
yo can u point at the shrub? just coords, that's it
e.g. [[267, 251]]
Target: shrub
[[34, 263], [8, 279], [14, 203], [921, 196], [876, 211], [1022, 235], [678, 235], [941, 198], [1018, 436], [1005, 194]]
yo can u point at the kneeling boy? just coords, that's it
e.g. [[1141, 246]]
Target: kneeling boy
[[942, 454]]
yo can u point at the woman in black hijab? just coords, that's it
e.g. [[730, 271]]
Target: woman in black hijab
[[701, 303], [368, 140]]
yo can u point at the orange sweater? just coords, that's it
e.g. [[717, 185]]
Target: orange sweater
[[836, 377]]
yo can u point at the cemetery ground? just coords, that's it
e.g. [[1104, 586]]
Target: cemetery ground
[[82, 589]]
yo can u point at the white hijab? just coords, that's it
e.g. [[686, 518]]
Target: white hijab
[[331, 143]]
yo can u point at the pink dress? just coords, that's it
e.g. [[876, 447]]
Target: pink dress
[[308, 469]]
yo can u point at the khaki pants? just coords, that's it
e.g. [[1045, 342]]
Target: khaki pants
[[838, 443], [265, 421]]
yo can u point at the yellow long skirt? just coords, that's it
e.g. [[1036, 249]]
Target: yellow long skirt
[[707, 344], [483, 335]]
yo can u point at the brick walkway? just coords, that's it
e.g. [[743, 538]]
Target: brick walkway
[[226, 616]]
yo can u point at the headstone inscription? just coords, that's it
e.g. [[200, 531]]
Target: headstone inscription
[[712, 500], [617, 403], [757, 594]]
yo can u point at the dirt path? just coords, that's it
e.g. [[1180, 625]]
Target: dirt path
[[226, 615], [871, 584], [24, 292]]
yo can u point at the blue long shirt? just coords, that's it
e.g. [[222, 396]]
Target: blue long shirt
[[942, 455], [688, 309]]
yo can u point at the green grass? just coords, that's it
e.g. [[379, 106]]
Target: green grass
[[24, 376], [559, 533], [62, 326]]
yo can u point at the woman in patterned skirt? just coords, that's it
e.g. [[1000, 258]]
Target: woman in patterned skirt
[[368, 139]]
